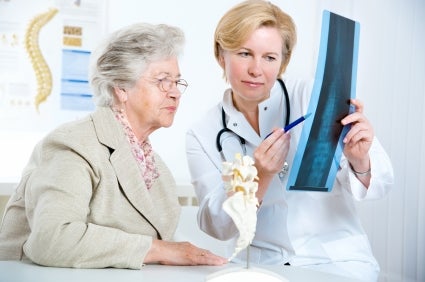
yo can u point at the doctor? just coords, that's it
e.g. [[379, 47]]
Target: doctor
[[253, 45]]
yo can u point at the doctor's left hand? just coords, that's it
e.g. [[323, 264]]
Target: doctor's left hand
[[359, 138]]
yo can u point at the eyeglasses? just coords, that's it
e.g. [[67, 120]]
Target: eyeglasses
[[166, 84]]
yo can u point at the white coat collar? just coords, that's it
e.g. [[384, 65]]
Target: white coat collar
[[271, 114]]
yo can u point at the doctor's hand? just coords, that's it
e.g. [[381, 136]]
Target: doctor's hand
[[269, 158], [181, 253], [358, 139]]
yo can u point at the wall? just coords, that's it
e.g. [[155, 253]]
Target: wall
[[391, 83]]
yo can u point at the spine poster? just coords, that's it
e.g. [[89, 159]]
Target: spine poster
[[45, 48]]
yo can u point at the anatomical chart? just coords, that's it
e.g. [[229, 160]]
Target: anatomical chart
[[44, 58]]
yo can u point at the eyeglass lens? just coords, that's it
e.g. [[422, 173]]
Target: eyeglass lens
[[166, 84]]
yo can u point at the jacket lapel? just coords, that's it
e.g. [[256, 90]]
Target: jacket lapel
[[111, 134]]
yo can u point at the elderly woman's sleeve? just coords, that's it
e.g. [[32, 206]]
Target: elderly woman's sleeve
[[58, 196]]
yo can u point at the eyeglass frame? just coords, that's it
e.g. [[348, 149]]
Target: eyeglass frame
[[178, 83]]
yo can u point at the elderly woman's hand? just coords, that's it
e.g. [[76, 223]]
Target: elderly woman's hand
[[181, 253], [358, 139]]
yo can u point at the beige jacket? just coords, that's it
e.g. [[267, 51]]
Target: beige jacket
[[82, 201]]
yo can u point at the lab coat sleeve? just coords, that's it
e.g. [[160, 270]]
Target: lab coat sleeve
[[382, 175], [205, 171]]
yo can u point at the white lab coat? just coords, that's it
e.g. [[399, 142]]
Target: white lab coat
[[302, 228]]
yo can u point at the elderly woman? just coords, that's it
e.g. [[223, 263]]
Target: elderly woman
[[94, 194]]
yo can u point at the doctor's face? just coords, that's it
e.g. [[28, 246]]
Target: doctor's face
[[252, 70]]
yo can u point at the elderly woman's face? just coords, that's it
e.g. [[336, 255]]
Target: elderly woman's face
[[153, 101]]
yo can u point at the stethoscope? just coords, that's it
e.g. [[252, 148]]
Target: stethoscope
[[242, 140]]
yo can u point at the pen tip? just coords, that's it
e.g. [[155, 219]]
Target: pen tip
[[307, 115]]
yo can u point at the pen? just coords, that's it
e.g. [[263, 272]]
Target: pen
[[292, 124]]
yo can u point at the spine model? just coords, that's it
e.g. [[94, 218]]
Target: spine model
[[41, 69]]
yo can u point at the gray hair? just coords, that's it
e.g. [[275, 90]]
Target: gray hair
[[125, 55]]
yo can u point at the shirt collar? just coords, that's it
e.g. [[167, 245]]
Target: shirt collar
[[271, 114]]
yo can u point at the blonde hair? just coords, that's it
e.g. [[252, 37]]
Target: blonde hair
[[242, 20]]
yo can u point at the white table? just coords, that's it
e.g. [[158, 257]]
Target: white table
[[18, 271]]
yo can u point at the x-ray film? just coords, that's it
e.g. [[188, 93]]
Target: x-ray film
[[318, 155]]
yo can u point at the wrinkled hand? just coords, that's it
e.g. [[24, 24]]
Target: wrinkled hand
[[181, 253], [359, 138]]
